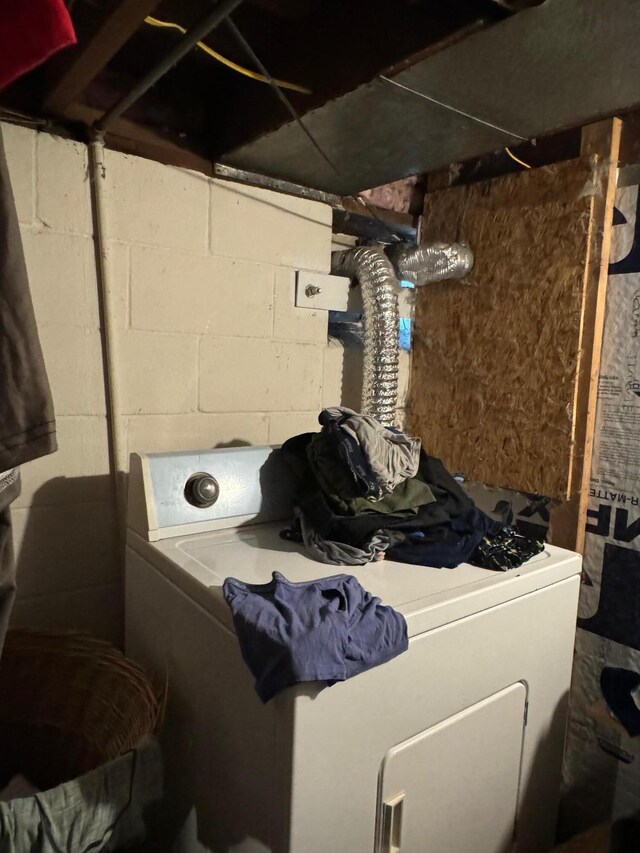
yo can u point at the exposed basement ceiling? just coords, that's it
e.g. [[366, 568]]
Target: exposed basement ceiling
[[560, 65], [463, 78], [201, 108]]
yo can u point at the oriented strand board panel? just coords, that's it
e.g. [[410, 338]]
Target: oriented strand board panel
[[494, 370]]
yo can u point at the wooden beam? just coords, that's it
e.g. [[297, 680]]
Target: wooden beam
[[86, 62], [568, 521], [133, 138]]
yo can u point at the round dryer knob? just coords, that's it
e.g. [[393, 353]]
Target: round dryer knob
[[202, 490]]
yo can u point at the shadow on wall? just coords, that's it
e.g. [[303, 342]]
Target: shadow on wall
[[545, 768], [69, 560], [591, 801], [352, 370]]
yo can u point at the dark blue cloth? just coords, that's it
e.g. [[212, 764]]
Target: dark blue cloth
[[324, 630], [445, 546]]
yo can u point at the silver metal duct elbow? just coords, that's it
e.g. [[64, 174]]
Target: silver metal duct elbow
[[379, 287], [433, 262]]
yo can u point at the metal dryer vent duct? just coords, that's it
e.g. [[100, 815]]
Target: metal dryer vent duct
[[379, 287], [432, 262], [379, 284]]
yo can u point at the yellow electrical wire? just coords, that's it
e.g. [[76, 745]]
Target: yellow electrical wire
[[156, 22], [517, 159]]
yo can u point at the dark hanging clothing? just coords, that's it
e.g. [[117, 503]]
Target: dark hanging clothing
[[30, 32], [9, 491], [27, 422]]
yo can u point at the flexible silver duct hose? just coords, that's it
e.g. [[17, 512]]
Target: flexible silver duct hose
[[379, 286], [433, 262]]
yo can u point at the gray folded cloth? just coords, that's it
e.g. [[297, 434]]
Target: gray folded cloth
[[340, 553], [393, 457], [103, 810]]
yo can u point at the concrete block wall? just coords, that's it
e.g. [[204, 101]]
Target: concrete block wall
[[211, 349], [209, 346], [64, 523]]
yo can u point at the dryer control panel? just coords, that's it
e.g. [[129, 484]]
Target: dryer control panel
[[196, 491]]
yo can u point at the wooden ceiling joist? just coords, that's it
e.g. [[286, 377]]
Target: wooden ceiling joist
[[88, 60]]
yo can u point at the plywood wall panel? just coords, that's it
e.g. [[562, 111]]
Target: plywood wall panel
[[495, 362]]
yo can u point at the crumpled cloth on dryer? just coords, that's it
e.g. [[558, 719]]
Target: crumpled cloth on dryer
[[340, 553], [338, 484], [328, 629], [379, 458]]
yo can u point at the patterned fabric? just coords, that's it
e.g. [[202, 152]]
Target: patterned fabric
[[506, 550]]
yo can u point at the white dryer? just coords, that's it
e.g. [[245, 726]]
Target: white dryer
[[453, 747]]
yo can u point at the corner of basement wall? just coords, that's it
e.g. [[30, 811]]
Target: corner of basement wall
[[68, 565], [209, 345]]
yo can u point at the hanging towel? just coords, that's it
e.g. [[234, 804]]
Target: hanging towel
[[30, 32], [27, 423]]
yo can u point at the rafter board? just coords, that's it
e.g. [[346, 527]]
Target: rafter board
[[82, 64], [495, 361]]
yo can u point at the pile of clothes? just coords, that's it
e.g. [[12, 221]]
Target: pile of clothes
[[366, 492]]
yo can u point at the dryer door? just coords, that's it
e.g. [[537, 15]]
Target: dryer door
[[454, 787]]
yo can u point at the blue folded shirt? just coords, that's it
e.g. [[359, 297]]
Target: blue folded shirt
[[324, 630]]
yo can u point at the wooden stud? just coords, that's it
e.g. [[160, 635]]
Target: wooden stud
[[568, 521], [86, 61]]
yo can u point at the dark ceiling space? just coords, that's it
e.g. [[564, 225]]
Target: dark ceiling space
[[387, 89], [326, 46]]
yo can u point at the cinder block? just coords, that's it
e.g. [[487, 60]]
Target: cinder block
[[97, 610], [158, 433], [250, 374], [73, 358], [332, 374], [19, 145], [63, 190], [153, 203], [64, 547], [284, 425], [184, 292], [77, 472], [296, 324], [158, 372], [62, 277], [120, 282], [272, 228]]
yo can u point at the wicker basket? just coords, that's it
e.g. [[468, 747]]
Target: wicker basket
[[68, 703]]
